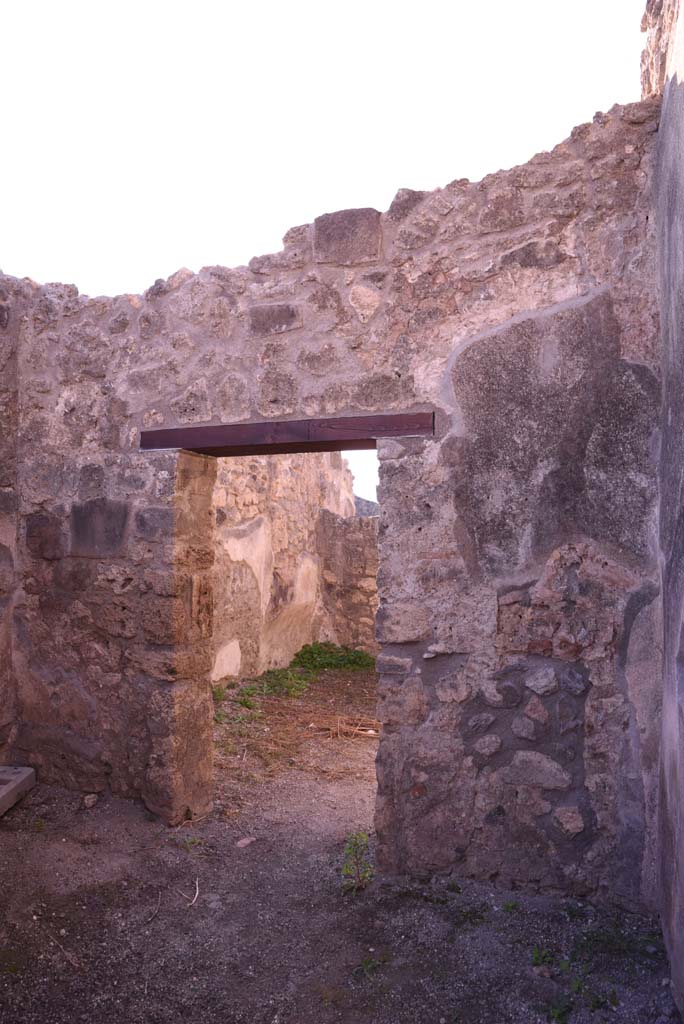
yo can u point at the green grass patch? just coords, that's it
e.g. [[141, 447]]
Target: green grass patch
[[541, 956], [304, 669], [292, 681], [284, 682], [317, 657]]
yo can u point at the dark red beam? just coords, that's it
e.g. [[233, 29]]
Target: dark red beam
[[278, 437]]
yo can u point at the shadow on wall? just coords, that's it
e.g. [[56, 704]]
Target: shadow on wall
[[670, 217]]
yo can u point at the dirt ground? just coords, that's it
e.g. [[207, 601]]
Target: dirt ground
[[107, 917]]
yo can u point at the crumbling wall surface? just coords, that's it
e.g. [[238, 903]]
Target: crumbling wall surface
[[267, 571], [660, 23], [517, 577], [666, 41], [15, 299], [348, 549]]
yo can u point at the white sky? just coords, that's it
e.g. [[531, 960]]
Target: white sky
[[139, 137]]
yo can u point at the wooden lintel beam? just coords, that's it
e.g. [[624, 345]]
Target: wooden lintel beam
[[278, 437]]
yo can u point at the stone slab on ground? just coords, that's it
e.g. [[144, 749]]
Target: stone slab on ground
[[14, 783]]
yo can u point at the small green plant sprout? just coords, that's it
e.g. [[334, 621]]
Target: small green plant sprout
[[605, 1000], [472, 915], [540, 957], [370, 964], [597, 1001], [367, 967], [247, 718], [559, 1012], [510, 906], [575, 911], [188, 843], [8, 962], [218, 692], [357, 870]]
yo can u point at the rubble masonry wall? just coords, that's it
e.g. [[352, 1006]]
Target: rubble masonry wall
[[519, 617]]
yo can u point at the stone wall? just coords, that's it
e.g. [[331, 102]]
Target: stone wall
[[14, 297], [365, 507], [517, 580], [659, 22], [348, 549], [113, 621], [267, 571], [665, 52]]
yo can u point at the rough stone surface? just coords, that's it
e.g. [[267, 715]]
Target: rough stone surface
[[16, 298], [348, 549], [98, 527], [660, 24], [273, 319], [542, 681], [523, 727], [570, 820], [529, 768], [348, 237], [364, 507], [487, 745], [522, 310]]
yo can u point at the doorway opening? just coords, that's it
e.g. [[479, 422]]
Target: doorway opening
[[295, 596], [294, 588]]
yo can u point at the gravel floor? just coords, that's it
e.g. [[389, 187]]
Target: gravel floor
[[99, 922]]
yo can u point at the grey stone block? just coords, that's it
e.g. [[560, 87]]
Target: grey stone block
[[14, 783]]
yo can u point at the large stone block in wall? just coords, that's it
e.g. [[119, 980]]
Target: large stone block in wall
[[347, 237], [98, 528], [6, 570], [45, 535], [275, 318]]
